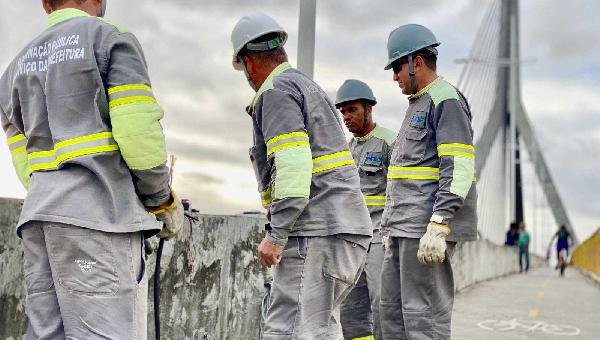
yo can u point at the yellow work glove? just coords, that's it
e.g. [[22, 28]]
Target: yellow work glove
[[432, 246], [171, 215]]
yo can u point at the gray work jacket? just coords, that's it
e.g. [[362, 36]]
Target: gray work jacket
[[432, 167], [83, 127], [306, 175], [371, 154]]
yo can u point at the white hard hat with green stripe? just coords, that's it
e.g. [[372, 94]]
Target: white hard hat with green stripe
[[252, 27]]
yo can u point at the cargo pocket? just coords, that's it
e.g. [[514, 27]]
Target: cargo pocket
[[414, 147], [83, 260], [345, 261]]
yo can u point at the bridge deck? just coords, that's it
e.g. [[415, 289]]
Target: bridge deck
[[538, 305]]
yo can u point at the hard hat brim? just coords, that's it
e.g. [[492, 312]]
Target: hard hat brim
[[391, 61], [236, 52], [372, 102], [237, 64]]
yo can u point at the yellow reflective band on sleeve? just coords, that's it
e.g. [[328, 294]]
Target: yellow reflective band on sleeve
[[16, 144], [131, 100], [456, 149], [71, 148], [413, 172], [16, 138], [287, 140], [368, 337], [374, 201], [332, 161], [18, 150], [129, 87], [265, 198]]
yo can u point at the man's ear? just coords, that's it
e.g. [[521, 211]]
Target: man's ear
[[47, 7], [418, 61]]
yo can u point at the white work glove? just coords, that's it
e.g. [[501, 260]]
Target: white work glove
[[385, 239], [432, 246], [171, 215]]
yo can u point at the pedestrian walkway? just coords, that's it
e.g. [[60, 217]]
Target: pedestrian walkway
[[536, 305]]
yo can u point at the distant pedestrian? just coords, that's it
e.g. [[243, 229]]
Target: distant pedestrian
[[523, 247], [512, 235]]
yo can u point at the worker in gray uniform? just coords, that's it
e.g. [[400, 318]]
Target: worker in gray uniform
[[319, 225], [371, 147], [84, 134], [431, 198]]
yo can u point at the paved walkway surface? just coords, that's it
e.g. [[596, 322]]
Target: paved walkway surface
[[536, 305]]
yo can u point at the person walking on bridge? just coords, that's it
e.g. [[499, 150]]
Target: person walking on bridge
[[431, 199], [370, 146], [319, 225], [83, 130], [523, 244]]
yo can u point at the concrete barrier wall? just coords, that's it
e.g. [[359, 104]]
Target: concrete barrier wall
[[212, 283], [483, 260], [12, 286]]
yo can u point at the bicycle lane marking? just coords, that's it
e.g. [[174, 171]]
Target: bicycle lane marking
[[528, 325]]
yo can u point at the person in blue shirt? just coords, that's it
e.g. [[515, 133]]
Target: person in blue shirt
[[562, 237], [523, 247], [512, 235]]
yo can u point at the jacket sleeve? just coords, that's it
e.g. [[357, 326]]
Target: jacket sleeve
[[454, 138], [135, 118], [17, 142], [282, 123]]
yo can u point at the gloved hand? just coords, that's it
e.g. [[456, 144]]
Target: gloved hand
[[432, 246], [171, 215], [385, 239]]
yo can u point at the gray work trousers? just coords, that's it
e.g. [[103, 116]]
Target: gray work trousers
[[83, 283], [416, 299], [313, 278], [359, 313]]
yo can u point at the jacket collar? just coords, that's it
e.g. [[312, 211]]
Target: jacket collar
[[65, 14]]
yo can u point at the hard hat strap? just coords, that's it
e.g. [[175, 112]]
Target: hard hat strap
[[411, 74], [264, 46]]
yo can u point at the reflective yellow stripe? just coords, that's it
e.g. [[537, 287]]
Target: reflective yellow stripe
[[16, 138], [131, 100], [456, 145], [265, 197], [285, 146], [332, 161], [456, 149], [18, 150], [286, 136], [73, 154], [375, 201], [455, 153], [287, 140], [69, 142], [368, 337], [129, 87], [413, 172]]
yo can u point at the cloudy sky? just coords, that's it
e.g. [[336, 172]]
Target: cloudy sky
[[188, 50]]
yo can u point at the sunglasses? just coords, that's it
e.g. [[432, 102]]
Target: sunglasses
[[397, 66]]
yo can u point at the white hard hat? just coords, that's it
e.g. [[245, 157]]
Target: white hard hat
[[251, 27]]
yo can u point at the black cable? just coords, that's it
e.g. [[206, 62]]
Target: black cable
[[156, 285]]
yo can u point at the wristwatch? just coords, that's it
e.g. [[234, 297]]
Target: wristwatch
[[438, 219]]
